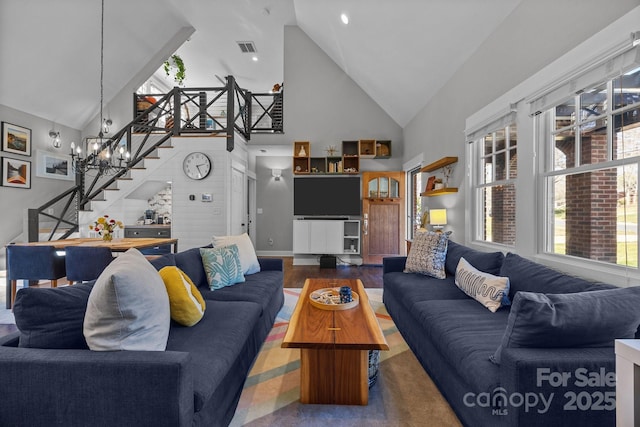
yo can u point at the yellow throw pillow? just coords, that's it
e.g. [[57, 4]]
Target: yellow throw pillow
[[186, 302]]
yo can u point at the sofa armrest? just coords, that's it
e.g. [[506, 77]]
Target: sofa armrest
[[271, 264], [577, 383], [394, 263], [95, 388]]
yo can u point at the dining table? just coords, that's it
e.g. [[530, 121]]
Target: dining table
[[116, 245]]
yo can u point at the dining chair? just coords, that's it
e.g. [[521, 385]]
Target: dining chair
[[33, 263], [84, 263]]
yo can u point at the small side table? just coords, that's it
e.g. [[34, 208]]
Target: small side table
[[627, 383]]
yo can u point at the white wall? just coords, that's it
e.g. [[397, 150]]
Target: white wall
[[15, 201], [534, 35], [195, 222], [324, 106]]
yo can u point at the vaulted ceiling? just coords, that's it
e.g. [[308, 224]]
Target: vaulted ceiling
[[399, 51]]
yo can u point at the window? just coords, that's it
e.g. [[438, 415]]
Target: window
[[494, 185], [414, 202], [592, 151]]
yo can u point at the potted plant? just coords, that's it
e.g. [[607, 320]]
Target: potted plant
[[176, 64]]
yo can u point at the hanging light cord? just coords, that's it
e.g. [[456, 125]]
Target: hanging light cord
[[100, 134]]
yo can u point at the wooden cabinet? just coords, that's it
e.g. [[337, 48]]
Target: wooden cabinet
[[346, 163], [146, 231], [443, 163], [350, 157], [301, 157], [375, 149]]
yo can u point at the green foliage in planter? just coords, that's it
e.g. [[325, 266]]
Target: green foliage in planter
[[175, 62]]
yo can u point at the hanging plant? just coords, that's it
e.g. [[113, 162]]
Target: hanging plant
[[175, 63]]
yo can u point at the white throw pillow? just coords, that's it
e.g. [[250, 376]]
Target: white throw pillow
[[128, 307], [246, 251], [489, 290]]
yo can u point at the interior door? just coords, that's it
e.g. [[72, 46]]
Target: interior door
[[238, 218], [382, 215]]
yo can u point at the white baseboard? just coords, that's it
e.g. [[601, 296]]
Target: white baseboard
[[274, 253]]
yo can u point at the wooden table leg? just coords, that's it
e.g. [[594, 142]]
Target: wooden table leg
[[329, 376]]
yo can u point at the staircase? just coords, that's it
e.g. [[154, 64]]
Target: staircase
[[213, 112]]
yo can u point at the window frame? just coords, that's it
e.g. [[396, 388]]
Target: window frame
[[545, 139], [479, 184]]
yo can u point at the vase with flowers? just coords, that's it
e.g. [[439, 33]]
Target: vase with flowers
[[105, 227]]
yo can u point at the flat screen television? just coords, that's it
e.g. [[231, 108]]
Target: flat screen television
[[320, 196]]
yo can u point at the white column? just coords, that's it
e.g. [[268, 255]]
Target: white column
[[627, 383]]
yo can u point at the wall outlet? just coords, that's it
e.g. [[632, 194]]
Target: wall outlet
[[270, 241]]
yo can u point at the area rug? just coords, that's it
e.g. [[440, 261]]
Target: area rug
[[403, 395]]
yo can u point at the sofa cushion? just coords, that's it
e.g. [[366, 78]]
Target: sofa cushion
[[216, 344], [489, 290], [526, 275], [411, 288], [163, 261], [246, 251], [185, 301], [259, 288], [427, 254], [52, 317], [128, 308], [190, 261], [466, 335], [222, 266], [581, 319], [489, 262]]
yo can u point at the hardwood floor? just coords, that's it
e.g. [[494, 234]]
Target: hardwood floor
[[295, 275]]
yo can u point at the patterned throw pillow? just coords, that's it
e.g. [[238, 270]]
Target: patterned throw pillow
[[489, 290], [222, 266], [428, 253], [186, 302]]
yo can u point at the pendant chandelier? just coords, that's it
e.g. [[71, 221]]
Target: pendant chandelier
[[99, 152]]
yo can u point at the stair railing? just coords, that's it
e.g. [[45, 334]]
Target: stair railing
[[216, 111]]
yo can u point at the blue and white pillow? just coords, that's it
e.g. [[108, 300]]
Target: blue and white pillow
[[427, 254], [489, 290], [222, 266]]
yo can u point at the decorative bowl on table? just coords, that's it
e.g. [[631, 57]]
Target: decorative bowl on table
[[329, 299]]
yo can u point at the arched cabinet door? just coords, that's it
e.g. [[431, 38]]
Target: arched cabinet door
[[382, 215]]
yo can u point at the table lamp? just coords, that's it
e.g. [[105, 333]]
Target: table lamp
[[438, 219]]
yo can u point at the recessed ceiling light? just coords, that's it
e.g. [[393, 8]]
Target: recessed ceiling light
[[255, 58], [344, 18]]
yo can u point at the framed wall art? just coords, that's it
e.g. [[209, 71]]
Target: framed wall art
[[16, 173], [51, 165], [16, 139]]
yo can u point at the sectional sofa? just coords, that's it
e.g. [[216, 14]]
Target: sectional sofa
[[550, 372], [196, 381]]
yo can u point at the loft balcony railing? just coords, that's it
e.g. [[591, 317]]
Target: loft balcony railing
[[217, 111]]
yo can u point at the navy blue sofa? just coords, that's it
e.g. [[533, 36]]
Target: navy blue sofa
[[453, 337], [197, 381]]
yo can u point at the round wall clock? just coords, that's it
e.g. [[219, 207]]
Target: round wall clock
[[196, 165]]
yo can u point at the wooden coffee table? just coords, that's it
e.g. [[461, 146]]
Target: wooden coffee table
[[334, 346]]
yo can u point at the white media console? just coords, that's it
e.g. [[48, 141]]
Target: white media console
[[326, 236]]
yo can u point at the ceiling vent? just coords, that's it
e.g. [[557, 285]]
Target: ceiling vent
[[247, 47]]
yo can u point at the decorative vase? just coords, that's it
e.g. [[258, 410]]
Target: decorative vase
[[107, 237]]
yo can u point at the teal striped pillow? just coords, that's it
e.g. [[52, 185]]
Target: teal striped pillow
[[222, 266]]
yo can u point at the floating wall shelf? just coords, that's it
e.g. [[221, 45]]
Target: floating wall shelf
[[439, 164]]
